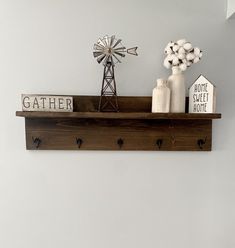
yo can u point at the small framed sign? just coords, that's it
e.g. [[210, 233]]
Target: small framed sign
[[202, 96], [47, 103]]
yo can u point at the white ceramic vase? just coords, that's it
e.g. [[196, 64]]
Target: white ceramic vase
[[176, 83], [161, 97]]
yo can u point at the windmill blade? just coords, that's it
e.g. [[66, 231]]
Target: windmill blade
[[120, 54], [118, 42], [109, 41], [118, 60], [132, 51], [101, 43], [97, 54], [120, 49], [112, 39], [106, 40], [99, 60], [98, 47]]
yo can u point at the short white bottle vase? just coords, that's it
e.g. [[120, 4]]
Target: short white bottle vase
[[176, 83], [161, 97]]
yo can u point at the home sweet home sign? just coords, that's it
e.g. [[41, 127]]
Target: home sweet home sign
[[47, 103], [202, 96]]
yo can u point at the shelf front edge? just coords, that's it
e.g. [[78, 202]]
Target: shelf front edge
[[119, 115]]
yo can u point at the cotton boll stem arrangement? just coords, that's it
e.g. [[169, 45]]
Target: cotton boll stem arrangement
[[181, 54]]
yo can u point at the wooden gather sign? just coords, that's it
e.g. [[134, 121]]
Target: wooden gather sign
[[47, 103]]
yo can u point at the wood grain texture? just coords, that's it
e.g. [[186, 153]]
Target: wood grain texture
[[96, 134], [118, 131], [125, 103]]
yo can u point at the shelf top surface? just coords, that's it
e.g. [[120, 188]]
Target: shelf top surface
[[119, 115]]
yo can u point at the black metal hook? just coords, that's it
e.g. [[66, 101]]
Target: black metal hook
[[36, 141], [79, 142], [159, 143], [120, 142], [201, 143]]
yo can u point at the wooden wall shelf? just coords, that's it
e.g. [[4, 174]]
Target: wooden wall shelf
[[112, 115], [133, 128]]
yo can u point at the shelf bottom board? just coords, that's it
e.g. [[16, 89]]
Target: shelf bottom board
[[92, 134]]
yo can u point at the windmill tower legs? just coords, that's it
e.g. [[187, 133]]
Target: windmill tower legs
[[108, 98]]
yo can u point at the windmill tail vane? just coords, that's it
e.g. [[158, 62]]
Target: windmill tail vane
[[109, 51], [132, 51]]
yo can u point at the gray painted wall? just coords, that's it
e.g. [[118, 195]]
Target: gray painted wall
[[113, 199]]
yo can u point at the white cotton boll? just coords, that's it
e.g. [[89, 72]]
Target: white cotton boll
[[168, 58], [171, 57], [166, 63], [181, 50], [175, 48], [175, 61], [187, 46], [171, 44], [200, 55], [197, 51], [189, 63], [168, 49], [183, 67], [181, 42], [181, 56], [190, 56], [196, 60]]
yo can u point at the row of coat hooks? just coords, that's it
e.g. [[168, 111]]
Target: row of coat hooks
[[120, 142]]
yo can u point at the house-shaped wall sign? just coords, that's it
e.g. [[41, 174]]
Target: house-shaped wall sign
[[230, 9], [202, 96]]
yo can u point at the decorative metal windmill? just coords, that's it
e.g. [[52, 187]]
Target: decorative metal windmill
[[110, 50]]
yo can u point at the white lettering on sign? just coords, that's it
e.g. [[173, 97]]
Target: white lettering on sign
[[47, 103], [202, 96]]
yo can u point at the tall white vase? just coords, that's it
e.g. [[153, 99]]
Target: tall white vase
[[161, 97], [176, 83]]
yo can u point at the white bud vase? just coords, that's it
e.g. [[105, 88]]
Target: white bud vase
[[176, 83], [161, 97]]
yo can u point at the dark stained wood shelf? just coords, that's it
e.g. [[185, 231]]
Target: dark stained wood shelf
[[133, 128], [119, 115]]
